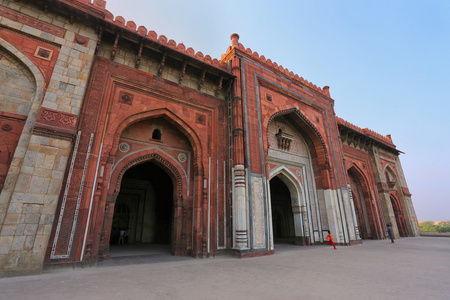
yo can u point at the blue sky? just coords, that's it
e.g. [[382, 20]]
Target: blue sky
[[386, 62]]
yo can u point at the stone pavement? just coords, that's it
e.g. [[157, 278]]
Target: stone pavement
[[412, 268]]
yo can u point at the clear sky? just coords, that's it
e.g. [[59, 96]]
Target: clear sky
[[387, 64]]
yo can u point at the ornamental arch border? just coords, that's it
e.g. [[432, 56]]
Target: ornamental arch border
[[149, 155]]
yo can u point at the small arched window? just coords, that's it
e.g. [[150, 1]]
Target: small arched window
[[156, 135]]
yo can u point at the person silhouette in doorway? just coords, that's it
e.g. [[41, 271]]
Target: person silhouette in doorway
[[121, 237]]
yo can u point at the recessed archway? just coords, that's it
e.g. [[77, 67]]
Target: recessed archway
[[282, 216], [143, 212], [399, 216], [365, 207], [288, 208]]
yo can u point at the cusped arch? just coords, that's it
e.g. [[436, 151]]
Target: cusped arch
[[294, 185], [167, 115], [309, 128], [298, 202], [149, 155]]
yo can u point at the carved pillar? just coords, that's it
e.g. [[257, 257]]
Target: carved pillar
[[240, 213], [100, 228], [197, 209], [178, 224]]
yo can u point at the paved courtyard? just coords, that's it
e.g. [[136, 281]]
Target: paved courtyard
[[412, 268]]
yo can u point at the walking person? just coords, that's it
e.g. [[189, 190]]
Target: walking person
[[391, 234], [121, 237], [330, 240]]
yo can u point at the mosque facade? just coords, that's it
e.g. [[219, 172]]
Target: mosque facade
[[109, 129]]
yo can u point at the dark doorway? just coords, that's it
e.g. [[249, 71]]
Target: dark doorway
[[143, 213], [282, 215]]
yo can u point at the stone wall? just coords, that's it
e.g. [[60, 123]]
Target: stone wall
[[55, 62]]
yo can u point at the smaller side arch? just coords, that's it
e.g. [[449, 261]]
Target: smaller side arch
[[365, 202], [399, 214]]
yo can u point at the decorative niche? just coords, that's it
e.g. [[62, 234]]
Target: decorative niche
[[156, 135]]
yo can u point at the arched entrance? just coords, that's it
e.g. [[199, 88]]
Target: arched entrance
[[143, 212], [282, 216], [154, 163], [288, 209], [365, 209], [294, 161]]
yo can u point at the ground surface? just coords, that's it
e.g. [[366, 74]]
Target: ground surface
[[412, 268]]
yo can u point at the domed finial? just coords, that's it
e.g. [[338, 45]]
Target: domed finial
[[234, 40]]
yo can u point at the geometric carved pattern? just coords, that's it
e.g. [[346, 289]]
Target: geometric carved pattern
[[58, 117]]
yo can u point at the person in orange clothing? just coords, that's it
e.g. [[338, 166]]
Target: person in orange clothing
[[330, 238]]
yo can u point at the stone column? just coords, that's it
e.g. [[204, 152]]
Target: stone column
[[240, 211]]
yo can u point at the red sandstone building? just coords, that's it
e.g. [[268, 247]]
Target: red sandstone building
[[108, 127]]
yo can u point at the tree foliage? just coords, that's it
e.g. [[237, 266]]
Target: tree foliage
[[429, 226]]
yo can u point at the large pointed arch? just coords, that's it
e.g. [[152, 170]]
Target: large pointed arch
[[163, 113], [314, 141], [312, 132]]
